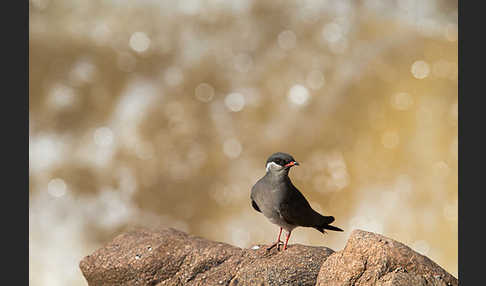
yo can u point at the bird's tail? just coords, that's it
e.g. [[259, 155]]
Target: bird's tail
[[331, 227], [324, 224]]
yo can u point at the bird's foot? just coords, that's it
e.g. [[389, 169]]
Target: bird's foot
[[277, 244]]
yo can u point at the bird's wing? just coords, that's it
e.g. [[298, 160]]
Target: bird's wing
[[296, 210], [253, 195], [255, 206]]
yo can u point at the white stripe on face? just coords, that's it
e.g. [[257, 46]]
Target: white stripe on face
[[273, 166]]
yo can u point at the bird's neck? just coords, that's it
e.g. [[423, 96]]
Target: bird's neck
[[278, 176]]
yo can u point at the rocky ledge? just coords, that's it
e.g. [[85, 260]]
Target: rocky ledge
[[172, 257]]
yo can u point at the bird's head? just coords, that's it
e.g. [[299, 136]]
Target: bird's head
[[280, 162]]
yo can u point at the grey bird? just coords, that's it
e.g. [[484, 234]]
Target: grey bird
[[282, 203]]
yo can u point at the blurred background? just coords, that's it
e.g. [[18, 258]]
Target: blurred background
[[163, 113]]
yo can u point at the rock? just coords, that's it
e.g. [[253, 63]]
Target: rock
[[372, 259], [172, 257]]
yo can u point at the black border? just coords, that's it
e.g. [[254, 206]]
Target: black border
[[470, 208], [15, 140]]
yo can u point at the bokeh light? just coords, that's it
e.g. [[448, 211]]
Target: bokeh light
[[56, 187], [204, 92], [420, 69], [139, 42], [235, 101], [298, 94]]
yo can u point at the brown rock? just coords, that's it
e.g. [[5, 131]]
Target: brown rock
[[171, 257], [372, 259]]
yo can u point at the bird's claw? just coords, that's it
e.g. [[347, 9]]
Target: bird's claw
[[277, 244]]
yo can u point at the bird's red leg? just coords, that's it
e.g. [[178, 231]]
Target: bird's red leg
[[287, 240], [276, 243], [278, 239]]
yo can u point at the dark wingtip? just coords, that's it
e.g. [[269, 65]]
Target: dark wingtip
[[331, 227]]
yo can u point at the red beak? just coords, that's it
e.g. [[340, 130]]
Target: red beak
[[293, 163]]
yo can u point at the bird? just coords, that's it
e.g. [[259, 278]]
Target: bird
[[282, 203]]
